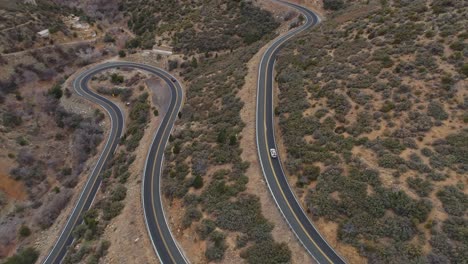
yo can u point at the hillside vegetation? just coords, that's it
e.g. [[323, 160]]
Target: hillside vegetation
[[204, 172], [373, 114], [20, 22], [198, 26]]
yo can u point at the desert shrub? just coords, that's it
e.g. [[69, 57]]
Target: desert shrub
[[422, 187], [267, 252], [139, 117], [50, 210], [173, 64], [437, 111], [453, 200], [11, 119], [390, 161], [118, 193], [25, 256], [108, 38], [117, 78], [333, 4], [191, 214], [245, 216], [197, 182], [447, 250], [76, 255], [24, 231], [420, 122], [456, 145], [397, 228], [205, 228], [455, 228], [111, 209], [55, 91], [216, 247], [29, 170], [464, 69], [436, 176], [133, 43]]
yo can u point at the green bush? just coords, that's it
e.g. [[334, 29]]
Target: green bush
[[464, 69], [453, 200], [455, 228], [390, 161], [133, 43], [437, 111], [24, 231], [205, 228], [118, 193], [216, 247], [55, 91], [108, 38], [117, 78], [12, 119], [111, 209], [267, 252], [191, 214], [197, 182], [333, 4], [422, 187], [28, 255]]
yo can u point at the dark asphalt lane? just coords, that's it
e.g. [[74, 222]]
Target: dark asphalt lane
[[276, 179], [165, 245], [160, 234]]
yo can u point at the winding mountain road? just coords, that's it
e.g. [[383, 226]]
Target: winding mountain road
[[273, 172], [160, 234]]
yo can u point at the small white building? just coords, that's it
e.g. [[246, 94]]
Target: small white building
[[43, 33]]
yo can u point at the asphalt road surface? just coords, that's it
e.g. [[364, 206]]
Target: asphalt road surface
[[276, 179], [160, 234]]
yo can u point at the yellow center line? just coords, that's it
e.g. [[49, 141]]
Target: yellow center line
[[152, 185], [273, 170], [87, 195]]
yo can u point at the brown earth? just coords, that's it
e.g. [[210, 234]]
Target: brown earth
[[47, 238], [127, 233], [13, 189]]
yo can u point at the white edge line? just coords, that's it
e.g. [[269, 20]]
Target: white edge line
[[160, 173], [261, 161], [89, 178], [281, 166]]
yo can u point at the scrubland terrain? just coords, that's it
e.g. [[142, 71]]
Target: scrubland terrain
[[44, 145], [372, 110], [48, 133]]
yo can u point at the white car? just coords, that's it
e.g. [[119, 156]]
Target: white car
[[273, 153]]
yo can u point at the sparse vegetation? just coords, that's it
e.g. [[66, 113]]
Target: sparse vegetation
[[25, 256], [239, 23], [369, 149], [115, 175]]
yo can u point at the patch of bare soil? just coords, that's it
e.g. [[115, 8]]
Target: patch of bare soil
[[12, 189], [127, 233], [257, 184]]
